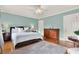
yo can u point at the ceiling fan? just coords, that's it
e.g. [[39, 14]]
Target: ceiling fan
[[39, 10]]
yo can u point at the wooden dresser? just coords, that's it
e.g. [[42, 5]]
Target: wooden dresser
[[6, 36], [51, 35]]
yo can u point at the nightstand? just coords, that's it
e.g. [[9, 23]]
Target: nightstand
[[6, 36]]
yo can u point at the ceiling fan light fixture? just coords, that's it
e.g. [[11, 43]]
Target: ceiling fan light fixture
[[39, 11]]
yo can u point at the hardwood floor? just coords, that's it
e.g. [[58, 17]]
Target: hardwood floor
[[67, 44], [8, 45]]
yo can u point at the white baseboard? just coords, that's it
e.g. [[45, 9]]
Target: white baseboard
[[64, 39]]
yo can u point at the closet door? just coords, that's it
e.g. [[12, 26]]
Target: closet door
[[71, 24]]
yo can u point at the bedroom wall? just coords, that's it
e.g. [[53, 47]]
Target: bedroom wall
[[56, 21], [15, 20]]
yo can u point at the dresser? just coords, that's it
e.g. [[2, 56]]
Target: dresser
[[51, 35]]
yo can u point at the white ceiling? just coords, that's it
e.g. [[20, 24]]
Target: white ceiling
[[29, 10]]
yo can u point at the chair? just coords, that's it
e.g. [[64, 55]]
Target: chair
[[74, 39], [1, 42]]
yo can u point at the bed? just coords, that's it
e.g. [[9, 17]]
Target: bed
[[22, 36], [1, 42], [41, 47]]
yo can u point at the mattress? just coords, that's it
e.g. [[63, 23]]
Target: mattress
[[41, 47]]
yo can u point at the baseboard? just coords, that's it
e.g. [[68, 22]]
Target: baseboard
[[64, 39]]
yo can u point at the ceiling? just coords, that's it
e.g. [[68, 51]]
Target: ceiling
[[30, 10]]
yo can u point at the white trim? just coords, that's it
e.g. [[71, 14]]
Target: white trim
[[44, 16], [62, 12], [64, 39]]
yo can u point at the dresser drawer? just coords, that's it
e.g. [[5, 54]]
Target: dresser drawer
[[52, 40], [51, 35]]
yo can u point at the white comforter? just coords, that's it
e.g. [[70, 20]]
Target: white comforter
[[24, 36]]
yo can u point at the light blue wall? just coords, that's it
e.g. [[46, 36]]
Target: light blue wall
[[51, 21], [57, 21], [15, 20]]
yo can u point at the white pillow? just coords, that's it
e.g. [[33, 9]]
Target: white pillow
[[20, 29], [17, 30], [26, 29], [14, 30]]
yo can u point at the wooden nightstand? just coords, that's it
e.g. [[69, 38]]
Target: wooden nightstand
[[6, 36]]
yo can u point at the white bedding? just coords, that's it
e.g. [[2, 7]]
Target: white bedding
[[18, 37], [1, 41]]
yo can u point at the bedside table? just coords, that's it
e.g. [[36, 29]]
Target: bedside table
[[6, 36]]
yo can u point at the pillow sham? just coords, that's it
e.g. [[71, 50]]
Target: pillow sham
[[17, 30], [14, 30], [27, 29]]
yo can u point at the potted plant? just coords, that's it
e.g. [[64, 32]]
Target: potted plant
[[76, 32]]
